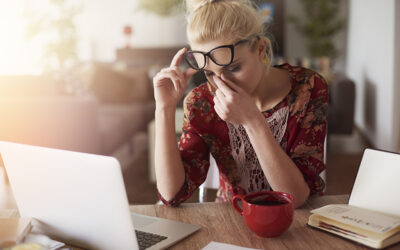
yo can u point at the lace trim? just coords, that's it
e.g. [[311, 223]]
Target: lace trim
[[252, 176]]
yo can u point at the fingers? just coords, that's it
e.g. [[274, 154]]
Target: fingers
[[220, 96], [222, 104], [222, 86], [218, 107], [169, 74], [174, 73], [178, 58], [227, 98], [178, 72], [231, 84], [183, 76], [189, 73], [227, 86]]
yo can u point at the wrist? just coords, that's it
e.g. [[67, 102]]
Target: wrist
[[255, 122], [165, 115], [165, 110]]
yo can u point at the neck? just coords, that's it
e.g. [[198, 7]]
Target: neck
[[271, 89], [260, 93]]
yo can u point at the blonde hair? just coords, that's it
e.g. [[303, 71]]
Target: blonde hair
[[212, 20]]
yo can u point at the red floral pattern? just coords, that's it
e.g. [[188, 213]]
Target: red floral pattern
[[204, 132]]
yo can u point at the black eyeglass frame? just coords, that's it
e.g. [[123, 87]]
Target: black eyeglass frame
[[230, 46]]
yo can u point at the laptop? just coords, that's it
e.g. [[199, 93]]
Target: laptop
[[377, 185], [80, 199]]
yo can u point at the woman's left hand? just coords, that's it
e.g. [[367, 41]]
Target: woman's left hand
[[232, 103]]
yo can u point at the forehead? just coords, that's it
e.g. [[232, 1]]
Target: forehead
[[207, 46]]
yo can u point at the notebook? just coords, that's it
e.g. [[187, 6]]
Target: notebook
[[372, 216], [80, 199], [377, 185]]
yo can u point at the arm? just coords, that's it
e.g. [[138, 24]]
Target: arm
[[169, 86], [281, 172], [307, 144], [169, 170], [291, 174], [193, 151]]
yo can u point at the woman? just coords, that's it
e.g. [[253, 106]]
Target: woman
[[265, 126]]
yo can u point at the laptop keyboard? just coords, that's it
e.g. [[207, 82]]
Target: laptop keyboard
[[147, 240]]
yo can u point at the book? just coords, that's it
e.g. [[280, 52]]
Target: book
[[13, 231], [372, 216], [368, 227]]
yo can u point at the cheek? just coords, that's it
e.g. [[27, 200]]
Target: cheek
[[246, 79]]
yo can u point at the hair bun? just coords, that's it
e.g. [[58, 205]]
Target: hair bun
[[193, 5]]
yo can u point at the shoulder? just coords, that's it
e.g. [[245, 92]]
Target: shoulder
[[307, 79], [307, 86]]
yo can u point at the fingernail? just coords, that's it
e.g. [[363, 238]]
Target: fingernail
[[215, 78]]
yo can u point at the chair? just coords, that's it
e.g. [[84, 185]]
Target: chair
[[342, 93], [212, 180]]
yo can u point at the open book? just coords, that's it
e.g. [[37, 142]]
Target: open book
[[367, 227], [372, 216]]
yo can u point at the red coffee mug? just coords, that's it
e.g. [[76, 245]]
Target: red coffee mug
[[266, 213]]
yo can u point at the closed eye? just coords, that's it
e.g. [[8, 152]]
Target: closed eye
[[208, 73], [234, 68], [231, 68]]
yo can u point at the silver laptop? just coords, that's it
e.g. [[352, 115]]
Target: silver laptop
[[80, 199]]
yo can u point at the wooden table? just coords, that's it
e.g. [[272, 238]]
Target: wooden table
[[220, 222]]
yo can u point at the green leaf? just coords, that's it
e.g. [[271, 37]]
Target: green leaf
[[321, 24], [160, 7]]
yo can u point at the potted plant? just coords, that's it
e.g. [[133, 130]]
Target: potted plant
[[321, 24], [57, 30], [161, 7]]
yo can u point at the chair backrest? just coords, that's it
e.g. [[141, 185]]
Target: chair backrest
[[212, 180], [341, 105]]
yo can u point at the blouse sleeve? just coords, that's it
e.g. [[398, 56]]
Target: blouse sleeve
[[307, 150], [194, 152]]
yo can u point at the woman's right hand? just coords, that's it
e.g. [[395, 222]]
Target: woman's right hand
[[170, 83]]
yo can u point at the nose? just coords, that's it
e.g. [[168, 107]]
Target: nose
[[211, 66]]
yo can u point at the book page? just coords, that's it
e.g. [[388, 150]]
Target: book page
[[223, 246], [359, 217], [377, 185]]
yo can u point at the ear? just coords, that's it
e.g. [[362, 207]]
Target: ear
[[261, 48]]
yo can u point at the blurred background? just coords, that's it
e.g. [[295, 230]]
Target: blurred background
[[77, 75]]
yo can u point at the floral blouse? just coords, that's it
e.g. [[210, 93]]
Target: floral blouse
[[298, 123]]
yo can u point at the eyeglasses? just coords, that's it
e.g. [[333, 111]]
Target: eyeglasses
[[222, 55]]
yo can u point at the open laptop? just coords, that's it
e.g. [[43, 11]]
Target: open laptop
[[80, 199]]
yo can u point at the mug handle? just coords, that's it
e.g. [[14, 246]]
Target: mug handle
[[235, 201]]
